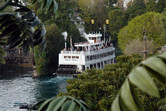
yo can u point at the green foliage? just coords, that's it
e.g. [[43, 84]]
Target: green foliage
[[161, 5], [63, 103], [2, 52], [18, 29], [47, 4], [97, 10], [136, 46], [142, 77], [152, 5], [137, 8], [150, 21], [116, 23], [40, 61], [163, 26], [98, 87], [47, 61], [55, 25]]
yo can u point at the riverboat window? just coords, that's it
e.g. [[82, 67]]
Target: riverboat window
[[75, 57], [67, 57]]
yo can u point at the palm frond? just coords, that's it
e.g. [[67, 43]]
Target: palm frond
[[141, 77]]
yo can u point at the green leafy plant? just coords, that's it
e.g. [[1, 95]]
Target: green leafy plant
[[24, 28], [2, 52], [62, 103], [141, 77], [47, 4]]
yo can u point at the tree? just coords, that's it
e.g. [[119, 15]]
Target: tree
[[46, 62], [150, 21], [137, 8], [151, 5], [142, 77], [55, 26], [96, 10], [136, 46], [116, 23], [99, 87], [161, 4], [163, 25], [18, 29], [121, 4]]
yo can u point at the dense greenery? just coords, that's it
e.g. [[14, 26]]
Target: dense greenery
[[132, 48], [98, 88], [145, 77], [47, 62], [62, 103], [150, 21], [20, 29]]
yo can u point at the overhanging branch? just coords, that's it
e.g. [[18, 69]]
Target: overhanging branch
[[5, 5]]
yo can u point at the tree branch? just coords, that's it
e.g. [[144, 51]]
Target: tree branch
[[5, 5]]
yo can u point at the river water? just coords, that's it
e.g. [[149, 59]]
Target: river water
[[17, 86]]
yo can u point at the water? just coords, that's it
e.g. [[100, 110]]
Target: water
[[17, 86]]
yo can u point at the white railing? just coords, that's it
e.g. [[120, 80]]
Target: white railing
[[74, 52], [88, 52]]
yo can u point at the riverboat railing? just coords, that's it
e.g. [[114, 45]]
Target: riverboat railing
[[88, 52]]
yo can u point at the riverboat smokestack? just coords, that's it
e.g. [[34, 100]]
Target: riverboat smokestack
[[65, 38]]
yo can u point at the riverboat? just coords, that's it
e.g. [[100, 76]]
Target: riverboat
[[95, 53]]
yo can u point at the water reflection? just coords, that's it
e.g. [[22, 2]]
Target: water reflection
[[17, 86]]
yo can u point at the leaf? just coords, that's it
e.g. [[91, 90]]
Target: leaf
[[22, 9], [2, 52], [162, 56], [127, 97], [36, 106], [14, 37], [7, 23], [35, 22], [34, 1], [56, 103], [9, 30], [140, 77], [5, 17], [29, 15], [14, 44], [157, 68], [38, 41], [55, 6], [3, 41], [51, 7], [115, 105], [49, 2], [31, 20], [37, 34], [123, 107], [68, 106], [43, 31], [44, 105], [2, 60], [44, 2], [135, 96]]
